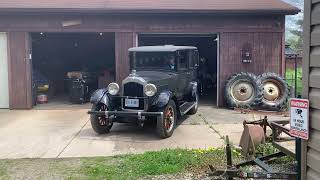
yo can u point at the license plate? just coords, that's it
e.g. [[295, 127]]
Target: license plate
[[131, 102]]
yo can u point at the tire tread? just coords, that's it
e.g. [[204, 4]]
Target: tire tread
[[256, 101], [280, 104]]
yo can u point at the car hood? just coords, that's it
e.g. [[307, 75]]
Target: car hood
[[159, 78], [154, 76]]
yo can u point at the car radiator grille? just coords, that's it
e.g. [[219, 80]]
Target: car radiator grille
[[133, 90]]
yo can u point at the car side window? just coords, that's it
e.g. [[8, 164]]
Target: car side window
[[194, 58], [183, 60]]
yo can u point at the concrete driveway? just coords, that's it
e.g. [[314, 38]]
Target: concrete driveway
[[68, 133]]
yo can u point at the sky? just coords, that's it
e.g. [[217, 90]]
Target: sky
[[290, 20]]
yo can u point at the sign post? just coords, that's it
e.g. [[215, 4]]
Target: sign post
[[299, 118]]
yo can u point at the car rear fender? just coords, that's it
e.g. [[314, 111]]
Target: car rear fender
[[100, 96]]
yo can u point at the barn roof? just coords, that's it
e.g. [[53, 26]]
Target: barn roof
[[150, 6]]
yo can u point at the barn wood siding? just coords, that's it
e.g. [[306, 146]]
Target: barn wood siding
[[123, 41], [311, 78], [136, 23], [19, 71], [290, 61], [266, 51], [265, 28]]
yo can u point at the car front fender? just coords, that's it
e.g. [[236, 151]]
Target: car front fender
[[100, 96], [163, 99]]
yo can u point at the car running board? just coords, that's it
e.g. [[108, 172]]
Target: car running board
[[185, 107]]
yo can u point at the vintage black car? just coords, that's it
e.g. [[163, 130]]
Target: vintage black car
[[162, 86]]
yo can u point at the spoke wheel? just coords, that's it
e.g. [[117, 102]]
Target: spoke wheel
[[102, 119], [167, 123], [100, 124], [169, 118]]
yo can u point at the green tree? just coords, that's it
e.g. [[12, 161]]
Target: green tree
[[295, 41]]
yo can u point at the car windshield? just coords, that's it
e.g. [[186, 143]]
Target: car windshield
[[154, 60]]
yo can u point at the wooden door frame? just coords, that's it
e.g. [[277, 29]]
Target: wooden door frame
[[25, 101], [305, 80], [29, 70]]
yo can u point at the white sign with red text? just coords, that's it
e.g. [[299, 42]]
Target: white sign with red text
[[299, 118]]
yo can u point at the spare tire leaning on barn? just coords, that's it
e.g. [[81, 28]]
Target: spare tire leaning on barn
[[275, 91], [243, 90]]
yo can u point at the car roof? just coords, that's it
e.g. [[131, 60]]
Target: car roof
[[165, 48]]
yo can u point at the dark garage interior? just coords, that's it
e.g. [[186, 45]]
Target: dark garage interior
[[67, 67], [207, 46]]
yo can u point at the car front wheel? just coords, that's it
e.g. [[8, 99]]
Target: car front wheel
[[100, 124], [167, 123]]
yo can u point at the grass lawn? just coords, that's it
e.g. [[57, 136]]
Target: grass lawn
[[117, 167], [291, 81]]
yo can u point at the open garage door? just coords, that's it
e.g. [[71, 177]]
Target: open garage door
[[207, 45], [68, 67]]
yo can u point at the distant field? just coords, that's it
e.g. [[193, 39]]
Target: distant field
[[290, 79]]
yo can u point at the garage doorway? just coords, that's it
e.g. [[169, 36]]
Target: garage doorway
[[207, 45], [68, 67]]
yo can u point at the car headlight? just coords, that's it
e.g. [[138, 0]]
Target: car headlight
[[113, 88], [150, 90]]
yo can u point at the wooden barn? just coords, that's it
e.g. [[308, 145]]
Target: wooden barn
[[55, 37]]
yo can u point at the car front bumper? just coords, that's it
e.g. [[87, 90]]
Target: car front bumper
[[132, 114]]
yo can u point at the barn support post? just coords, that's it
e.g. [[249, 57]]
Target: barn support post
[[20, 70], [123, 41]]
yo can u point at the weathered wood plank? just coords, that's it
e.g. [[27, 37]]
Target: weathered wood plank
[[314, 97], [313, 159], [315, 56], [315, 119], [315, 60], [315, 77], [315, 14], [314, 138], [315, 1], [312, 174], [315, 38]]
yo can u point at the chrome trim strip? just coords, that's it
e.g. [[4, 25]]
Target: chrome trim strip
[[136, 79], [186, 111], [132, 110]]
